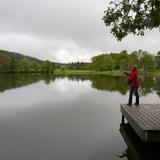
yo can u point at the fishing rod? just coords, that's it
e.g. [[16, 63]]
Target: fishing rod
[[126, 73]]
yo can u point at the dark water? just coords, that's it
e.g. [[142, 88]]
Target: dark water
[[70, 118]]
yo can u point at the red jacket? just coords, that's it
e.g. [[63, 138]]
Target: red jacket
[[133, 78]]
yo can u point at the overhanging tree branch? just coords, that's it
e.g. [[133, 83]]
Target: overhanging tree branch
[[132, 16]]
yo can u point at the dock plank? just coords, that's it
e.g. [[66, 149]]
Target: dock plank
[[141, 120], [144, 119], [151, 119], [152, 113]]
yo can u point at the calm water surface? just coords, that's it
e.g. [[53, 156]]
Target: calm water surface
[[67, 118]]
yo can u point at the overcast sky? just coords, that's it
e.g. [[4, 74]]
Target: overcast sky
[[63, 30]]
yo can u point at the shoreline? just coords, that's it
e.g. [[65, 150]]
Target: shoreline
[[105, 73], [88, 72]]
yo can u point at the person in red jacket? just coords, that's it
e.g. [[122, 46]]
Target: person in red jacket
[[134, 85]]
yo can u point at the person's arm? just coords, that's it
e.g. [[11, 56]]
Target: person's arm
[[131, 78], [126, 73]]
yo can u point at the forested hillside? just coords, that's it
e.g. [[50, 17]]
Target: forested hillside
[[11, 62]]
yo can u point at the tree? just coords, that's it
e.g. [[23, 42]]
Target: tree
[[108, 62], [13, 65], [134, 59], [132, 16], [123, 59], [97, 62], [23, 65], [47, 66], [157, 60], [115, 56], [148, 61], [35, 66], [4, 63]]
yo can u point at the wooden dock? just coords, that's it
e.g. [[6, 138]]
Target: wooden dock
[[144, 119]]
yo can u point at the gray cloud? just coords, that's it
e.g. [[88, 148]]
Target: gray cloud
[[62, 30]]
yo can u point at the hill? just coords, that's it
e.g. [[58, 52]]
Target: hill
[[18, 56], [11, 62], [26, 63]]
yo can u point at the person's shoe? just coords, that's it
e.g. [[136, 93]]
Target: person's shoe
[[136, 104], [128, 104]]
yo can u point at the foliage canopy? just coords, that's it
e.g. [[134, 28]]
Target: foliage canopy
[[132, 16], [124, 61]]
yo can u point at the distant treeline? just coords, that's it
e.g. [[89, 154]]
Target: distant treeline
[[74, 66], [118, 61], [17, 63], [124, 61]]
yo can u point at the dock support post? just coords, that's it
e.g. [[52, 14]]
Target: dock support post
[[123, 120]]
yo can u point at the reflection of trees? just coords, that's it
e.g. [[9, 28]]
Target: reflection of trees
[[9, 81], [106, 83], [150, 84], [113, 83], [110, 83], [75, 77], [147, 85]]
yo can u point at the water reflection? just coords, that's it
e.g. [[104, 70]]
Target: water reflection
[[105, 83], [110, 83], [10, 81], [137, 149], [63, 118]]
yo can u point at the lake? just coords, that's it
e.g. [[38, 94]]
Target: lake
[[68, 117]]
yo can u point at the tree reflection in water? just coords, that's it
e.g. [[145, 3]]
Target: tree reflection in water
[[10, 81], [119, 83], [105, 83]]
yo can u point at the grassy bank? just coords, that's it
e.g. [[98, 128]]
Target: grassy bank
[[93, 72], [88, 72], [155, 73]]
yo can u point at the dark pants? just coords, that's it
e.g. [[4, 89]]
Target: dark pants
[[133, 89]]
